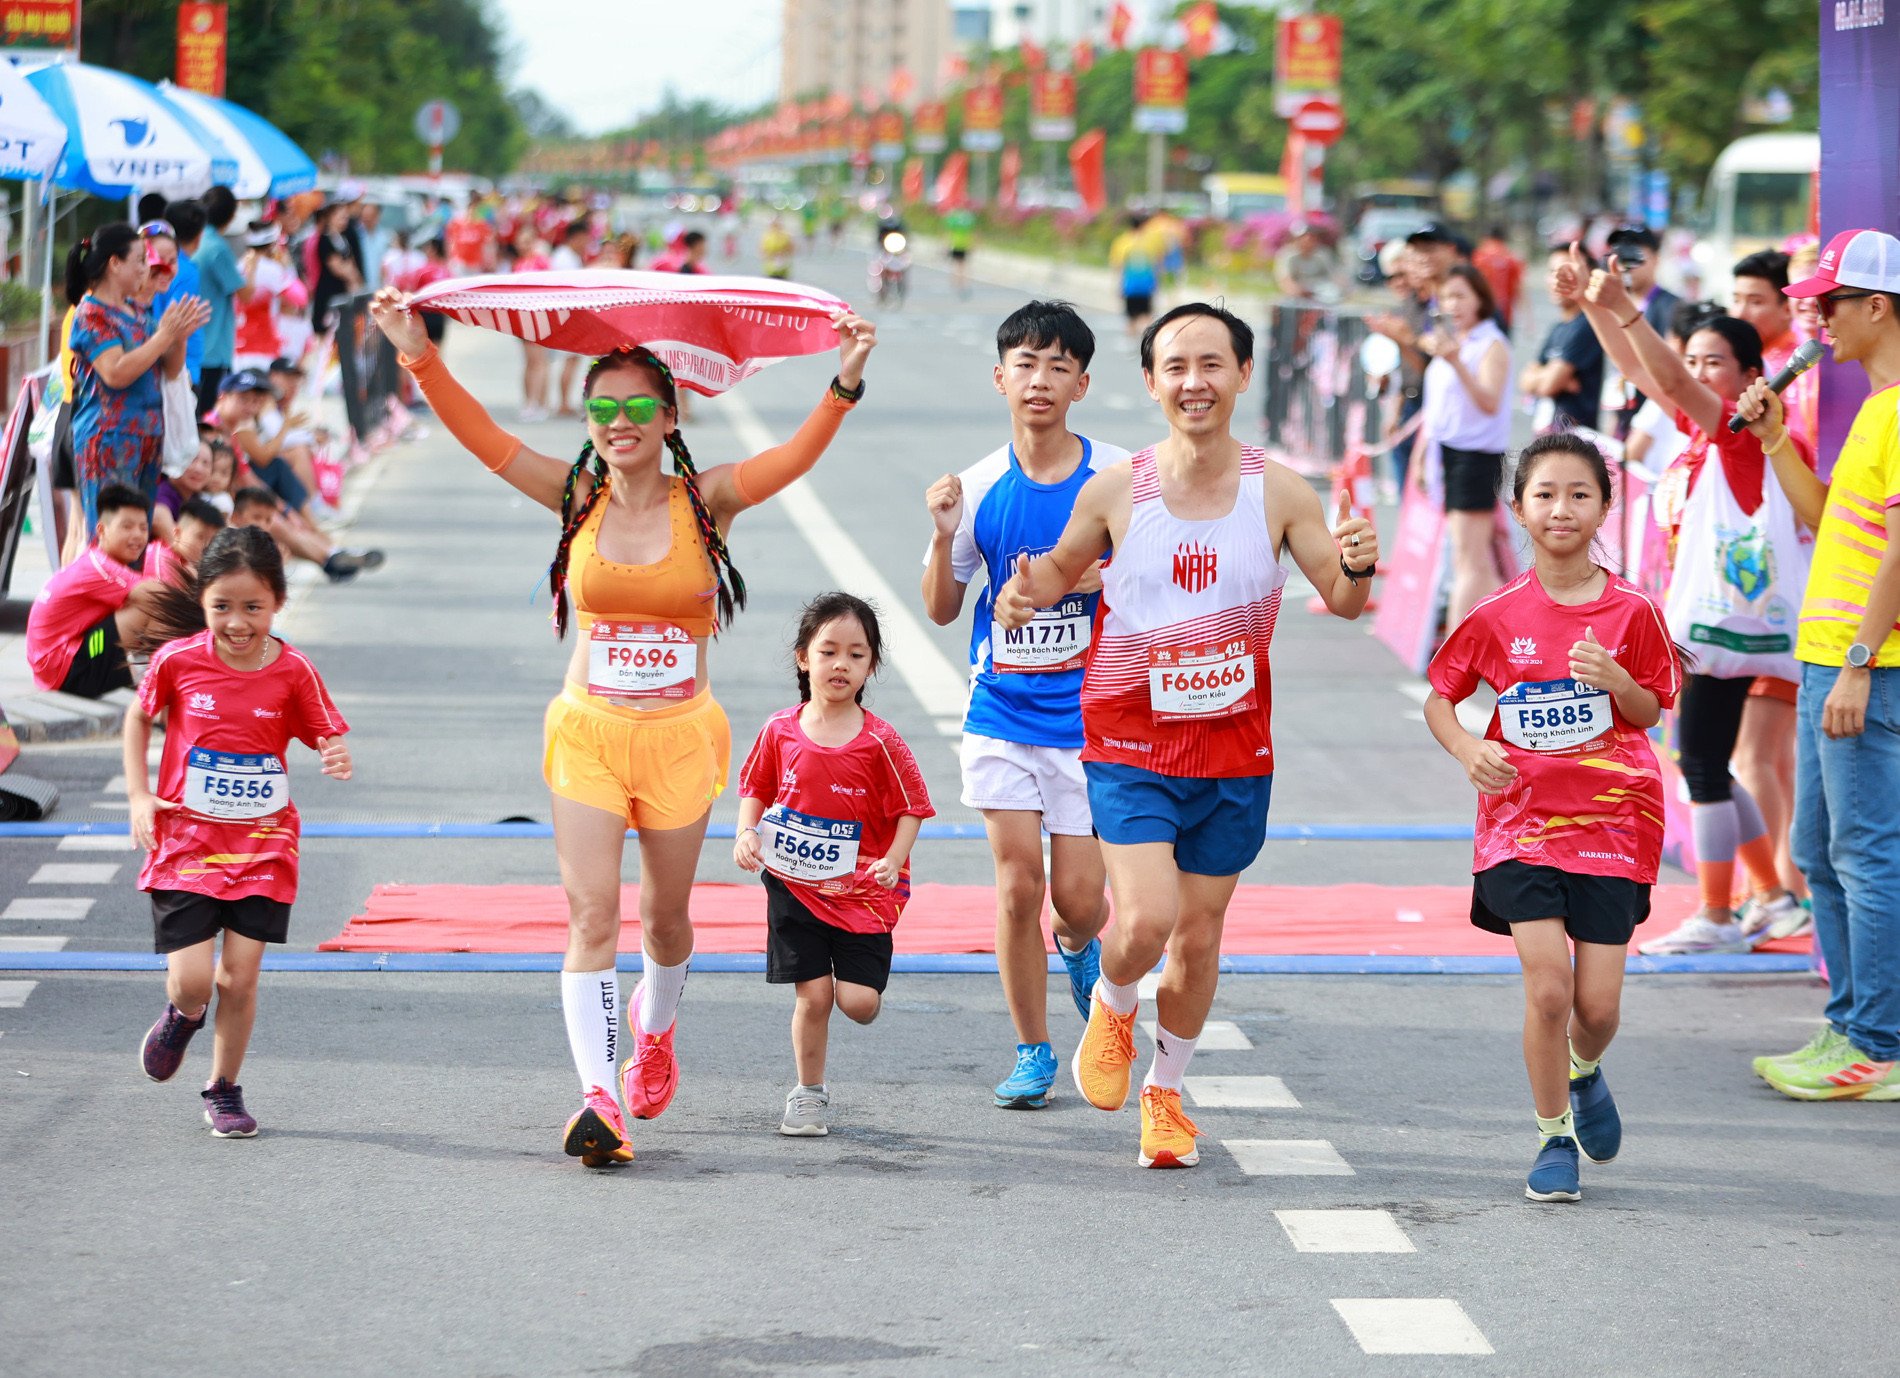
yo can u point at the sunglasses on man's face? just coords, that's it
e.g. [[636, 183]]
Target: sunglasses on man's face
[[1833, 299], [640, 410]]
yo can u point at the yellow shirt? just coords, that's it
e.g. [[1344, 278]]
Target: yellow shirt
[[1862, 498]]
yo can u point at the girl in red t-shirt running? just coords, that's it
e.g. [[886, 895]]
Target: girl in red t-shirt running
[[1570, 814], [220, 834], [830, 801]]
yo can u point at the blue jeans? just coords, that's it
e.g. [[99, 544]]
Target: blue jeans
[[1847, 842]]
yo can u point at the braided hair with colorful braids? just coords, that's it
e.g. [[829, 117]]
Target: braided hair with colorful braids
[[731, 584]]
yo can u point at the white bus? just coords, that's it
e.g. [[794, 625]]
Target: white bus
[[1761, 191]]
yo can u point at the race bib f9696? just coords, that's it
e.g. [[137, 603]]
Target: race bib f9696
[[798, 846], [219, 785], [1057, 638], [641, 660], [1553, 715], [1201, 683]]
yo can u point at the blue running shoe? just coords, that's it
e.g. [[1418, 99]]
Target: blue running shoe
[[1554, 1174], [1084, 967], [1599, 1127], [1027, 1088]]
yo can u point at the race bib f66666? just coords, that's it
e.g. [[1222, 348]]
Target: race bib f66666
[[1201, 683]]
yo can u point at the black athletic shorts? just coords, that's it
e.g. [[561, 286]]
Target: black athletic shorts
[[183, 918], [799, 946], [99, 665], [1472, 478], [1595, 909], [1138, 304], [958, 255]]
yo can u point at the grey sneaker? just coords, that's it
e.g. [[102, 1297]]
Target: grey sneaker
[[805, 1112], [225, 1112]]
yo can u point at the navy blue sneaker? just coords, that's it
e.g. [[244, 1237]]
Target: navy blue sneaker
[[1554, 1174], [1084, 967], [1027, 1088], [1599, 1127]]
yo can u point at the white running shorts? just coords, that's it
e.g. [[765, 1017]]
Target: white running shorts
[[1040, 779]]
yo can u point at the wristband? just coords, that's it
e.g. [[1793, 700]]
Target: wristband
[[749, 829], [1768, 447], [1631, 321], [845, 394], [1357, 574]]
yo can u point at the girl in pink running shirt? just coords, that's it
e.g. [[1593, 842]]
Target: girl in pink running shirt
[[1570, 814], [830, 801], [221, 833]]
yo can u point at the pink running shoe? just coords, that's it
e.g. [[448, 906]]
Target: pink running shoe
[[652, 1074], [597, 1135], [164, 1048], [225, 1112]]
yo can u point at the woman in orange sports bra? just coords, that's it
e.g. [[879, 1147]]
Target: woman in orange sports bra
[[635, 738]]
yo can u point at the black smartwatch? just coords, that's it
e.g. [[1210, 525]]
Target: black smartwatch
[[845, 394]]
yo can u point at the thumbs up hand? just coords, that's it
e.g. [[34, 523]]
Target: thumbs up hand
[[1358, 542], [1013, 605], [1592, 666]]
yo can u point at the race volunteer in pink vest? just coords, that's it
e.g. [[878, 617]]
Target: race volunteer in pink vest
[[1177, 695]]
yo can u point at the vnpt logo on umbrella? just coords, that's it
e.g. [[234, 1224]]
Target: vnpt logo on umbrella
[[136, 133]]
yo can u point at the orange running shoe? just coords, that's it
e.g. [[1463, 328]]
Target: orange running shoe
[[1167, 1135], [651, 1076], [1102, 1059], [597, 1135]]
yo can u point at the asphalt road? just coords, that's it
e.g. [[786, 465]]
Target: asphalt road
[[407, 1205]]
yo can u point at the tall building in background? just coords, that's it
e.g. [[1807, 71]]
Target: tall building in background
[[1048, 23], [855, 47]]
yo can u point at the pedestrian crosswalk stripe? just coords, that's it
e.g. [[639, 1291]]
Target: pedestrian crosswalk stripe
[[22, 942], [1287, 1158], [1411, 1325], [94, 842], [13, 993], [75, 873], [48, 907], [1217, 1036], [1344, 1232], [1240, 1093]]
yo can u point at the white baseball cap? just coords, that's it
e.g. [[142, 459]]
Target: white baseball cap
[[1854, 258]]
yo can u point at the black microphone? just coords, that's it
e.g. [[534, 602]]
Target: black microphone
[[1804, 359]]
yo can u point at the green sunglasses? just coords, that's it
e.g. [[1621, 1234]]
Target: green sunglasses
[[640, 410]]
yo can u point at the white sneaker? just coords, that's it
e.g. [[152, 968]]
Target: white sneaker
[[1760, 915], [530, 415], [1699, 934], [805, 1113]]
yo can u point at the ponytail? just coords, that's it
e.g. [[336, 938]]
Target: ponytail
[[91, 256]]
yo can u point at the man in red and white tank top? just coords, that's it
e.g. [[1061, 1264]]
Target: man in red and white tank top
[[1177, 694]]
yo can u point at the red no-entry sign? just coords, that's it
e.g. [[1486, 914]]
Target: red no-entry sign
[[1320, 122]]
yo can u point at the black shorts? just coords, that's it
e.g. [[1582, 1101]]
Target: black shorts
[[1472, 479], [1595, 909], [1138, 304], [958, 255], [99, 665], [802, 947], [64, 474], [183, 918]]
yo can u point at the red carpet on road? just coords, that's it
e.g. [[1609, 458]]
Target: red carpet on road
[[1265, 920]]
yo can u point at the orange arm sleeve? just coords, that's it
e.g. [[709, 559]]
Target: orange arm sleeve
[[770, 471], [468, 421]]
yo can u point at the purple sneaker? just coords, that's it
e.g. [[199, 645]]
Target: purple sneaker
[[164, 1047], [225, 1112]]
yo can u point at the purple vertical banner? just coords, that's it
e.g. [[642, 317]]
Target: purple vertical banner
[[1860, 161]]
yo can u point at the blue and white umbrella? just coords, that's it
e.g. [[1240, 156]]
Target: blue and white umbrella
[[269, 164], [123, 137], [31, 135]]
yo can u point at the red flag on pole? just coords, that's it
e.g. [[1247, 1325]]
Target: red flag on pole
[[1082, 57], [953, 182], [1034, 58], [1121, 22], [1086, 166], [1202, 24], [1010, 168]]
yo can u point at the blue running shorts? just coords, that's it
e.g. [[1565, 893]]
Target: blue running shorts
[[1216, 827]]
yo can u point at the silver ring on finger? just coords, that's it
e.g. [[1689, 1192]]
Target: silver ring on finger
[[1352, 541]]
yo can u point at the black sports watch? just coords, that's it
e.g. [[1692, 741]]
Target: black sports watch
[[845, 394], [1357, 574]]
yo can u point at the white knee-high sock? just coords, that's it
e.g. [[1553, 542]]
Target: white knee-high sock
[[660, 988], [1172, 1055], [590, 1000]]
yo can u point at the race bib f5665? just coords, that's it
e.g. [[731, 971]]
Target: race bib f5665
[[799, 846]]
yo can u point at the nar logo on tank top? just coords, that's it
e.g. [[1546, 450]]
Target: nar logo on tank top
[[1196, 566]]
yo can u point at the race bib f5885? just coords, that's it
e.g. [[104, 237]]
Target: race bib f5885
[[1553, 715]]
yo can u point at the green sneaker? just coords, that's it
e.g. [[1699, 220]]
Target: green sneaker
[[1824, 1043], [1846, 1074]]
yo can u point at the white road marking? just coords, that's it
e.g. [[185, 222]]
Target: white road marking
[[1149, 985], [94, 842], [1217, 1036], [75, 873], [938, 685], [1240, 1093], [47, 908], [1474, 714], [13, 993], [1287, 1158], [1344, 1232], [116, 785], [23, 943], [1411, 1325]]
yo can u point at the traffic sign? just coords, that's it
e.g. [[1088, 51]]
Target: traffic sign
[[437, 122], [1320, 122]]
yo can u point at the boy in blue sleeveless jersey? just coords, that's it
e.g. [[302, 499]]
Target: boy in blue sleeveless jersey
[[1022, 735]]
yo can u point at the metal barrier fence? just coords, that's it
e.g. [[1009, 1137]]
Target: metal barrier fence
[[1320, 403]]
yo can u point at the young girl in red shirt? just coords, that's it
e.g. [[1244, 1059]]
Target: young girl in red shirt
[[830, 803], [1570, 814], [221, 832]]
